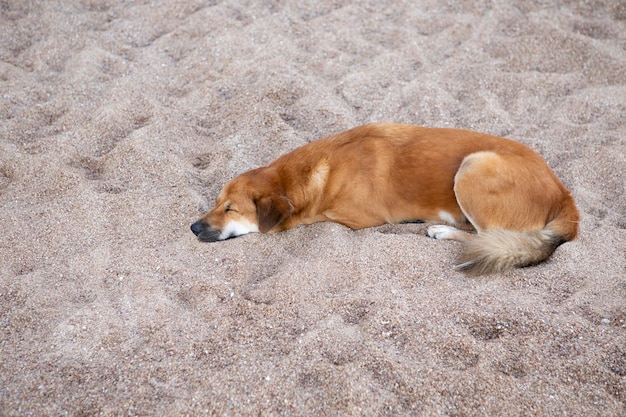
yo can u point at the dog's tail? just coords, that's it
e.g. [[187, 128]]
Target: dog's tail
[[498, 250]]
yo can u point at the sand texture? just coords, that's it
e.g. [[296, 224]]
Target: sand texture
[[120, 121]]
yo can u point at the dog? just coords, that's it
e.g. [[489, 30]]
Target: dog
[[395, 173]]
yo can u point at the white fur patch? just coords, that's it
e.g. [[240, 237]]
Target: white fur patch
[[447, 217], [237, 228], [443, 232]]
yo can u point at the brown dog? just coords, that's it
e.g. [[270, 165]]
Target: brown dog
[[391, 173]]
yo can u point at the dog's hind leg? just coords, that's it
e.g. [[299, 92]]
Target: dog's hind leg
[[509, 199], [497, 191], [479, 187]]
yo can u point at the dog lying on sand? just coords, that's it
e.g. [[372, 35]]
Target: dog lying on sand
[[394, 173]]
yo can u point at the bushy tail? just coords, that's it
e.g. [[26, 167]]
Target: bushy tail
[[499, 250]]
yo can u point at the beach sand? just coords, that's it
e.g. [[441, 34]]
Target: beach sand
[[120, 121]]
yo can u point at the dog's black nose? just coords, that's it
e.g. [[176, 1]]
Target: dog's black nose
[[197, 228]]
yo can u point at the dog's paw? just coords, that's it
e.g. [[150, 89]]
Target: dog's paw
[[443, 232]]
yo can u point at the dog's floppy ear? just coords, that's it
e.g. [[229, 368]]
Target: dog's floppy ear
[[272, 211]]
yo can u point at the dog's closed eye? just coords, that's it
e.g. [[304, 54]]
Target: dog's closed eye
[[230, 208]]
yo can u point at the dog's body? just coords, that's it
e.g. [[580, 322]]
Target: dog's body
[[390, 173]]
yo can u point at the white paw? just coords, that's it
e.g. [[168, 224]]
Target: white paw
[[442, 232]]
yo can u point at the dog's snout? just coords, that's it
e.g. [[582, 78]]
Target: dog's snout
[[205, 232], [197, 228]]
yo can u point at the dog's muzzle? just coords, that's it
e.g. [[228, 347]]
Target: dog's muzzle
[[205, 232]]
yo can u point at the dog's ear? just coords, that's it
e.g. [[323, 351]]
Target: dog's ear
[[272, 211]]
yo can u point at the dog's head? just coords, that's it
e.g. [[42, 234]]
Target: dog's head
[[252, 202]]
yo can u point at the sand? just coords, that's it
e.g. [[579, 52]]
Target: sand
[[120, 121]]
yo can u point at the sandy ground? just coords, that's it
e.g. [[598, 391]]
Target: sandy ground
[[121, 120]]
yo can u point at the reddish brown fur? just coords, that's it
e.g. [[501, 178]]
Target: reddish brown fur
[[389, 173]]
